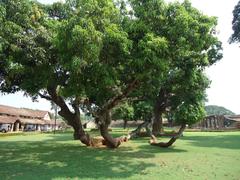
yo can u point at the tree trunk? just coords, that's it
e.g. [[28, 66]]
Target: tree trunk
[[159, 109], [73, 119], [103, 115], [79, 133], [104, 121], [171, 141], [75, 122], [157, 127], [109, 141], [124, 124]]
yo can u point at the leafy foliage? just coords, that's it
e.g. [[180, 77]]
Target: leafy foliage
[[124, 111], [143, 111], [191, 46], [101, 53]]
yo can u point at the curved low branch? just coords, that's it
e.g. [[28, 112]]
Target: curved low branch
[[171, 141], [135, 133]]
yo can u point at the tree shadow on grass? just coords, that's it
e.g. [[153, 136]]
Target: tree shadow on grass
[[216, 141], [60, 157]]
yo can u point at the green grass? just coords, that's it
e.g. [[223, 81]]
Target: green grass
[[208, 155]]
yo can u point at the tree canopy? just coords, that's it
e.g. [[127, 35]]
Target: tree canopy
[[97, 54]]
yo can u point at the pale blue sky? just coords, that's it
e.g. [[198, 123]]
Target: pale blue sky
[[225, 87]]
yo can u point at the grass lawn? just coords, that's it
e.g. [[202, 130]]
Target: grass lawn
[[208, 155]]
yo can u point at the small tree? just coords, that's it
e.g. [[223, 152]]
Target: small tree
[[143, 110], [125, 112], [186, 103]]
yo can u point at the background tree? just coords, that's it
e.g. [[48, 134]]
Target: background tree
[[142, 111], [125, 112], [236, 24], [187, 103]]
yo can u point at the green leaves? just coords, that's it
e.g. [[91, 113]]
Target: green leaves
[[96, 49], [143, 110], [189, 113], [124, 111], [116, 40], [153, 48]]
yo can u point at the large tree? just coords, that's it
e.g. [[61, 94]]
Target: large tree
[[75, 52], [38, 58], [97, 54], [192, 45]]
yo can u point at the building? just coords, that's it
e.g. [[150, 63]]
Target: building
[[219, 122], [233, 120], [23, 119]]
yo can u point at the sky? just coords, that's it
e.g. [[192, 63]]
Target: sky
[[224, 75], [225, 86]]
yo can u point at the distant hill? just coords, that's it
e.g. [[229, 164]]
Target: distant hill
[[217, 110]]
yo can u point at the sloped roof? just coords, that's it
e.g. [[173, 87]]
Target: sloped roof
[[25, 116], [31, 121], [22, 112], [11, 120], [233, 117], [7, 119]]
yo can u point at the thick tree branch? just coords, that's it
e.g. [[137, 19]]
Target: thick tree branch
[[45, 97], [115, 100], [171, 141], [52, 90]]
